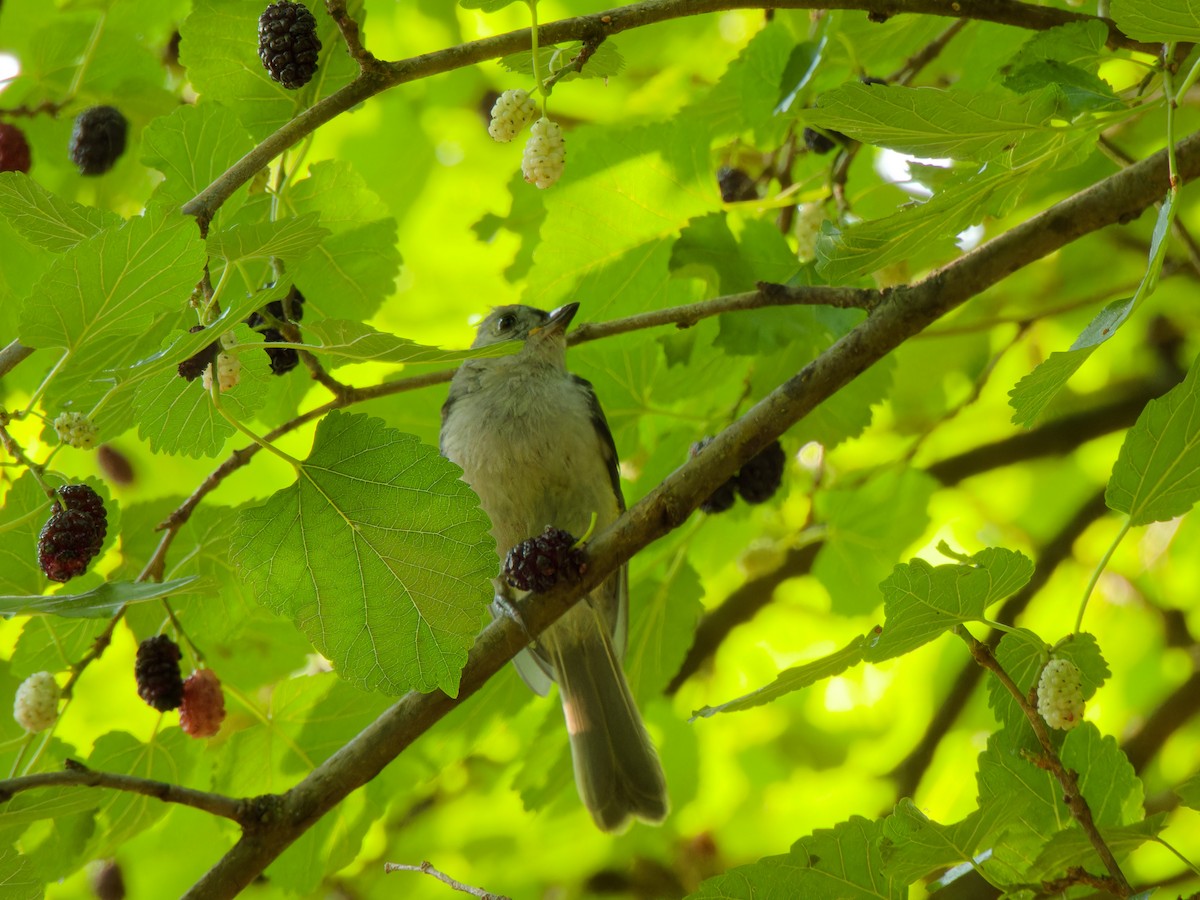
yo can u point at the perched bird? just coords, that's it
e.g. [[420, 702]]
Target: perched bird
[[533, 443]]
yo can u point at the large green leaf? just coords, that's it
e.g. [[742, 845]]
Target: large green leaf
[[840, 863], [1157, 473], [922, 601], [378, 552], [46, 220], [99, 603], [938, 123], [1158, 20]]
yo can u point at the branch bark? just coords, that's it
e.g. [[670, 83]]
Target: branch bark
[[905, 312]]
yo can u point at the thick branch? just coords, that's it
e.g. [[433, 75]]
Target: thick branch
[[1118, 198], [78, 774], [378, 78]]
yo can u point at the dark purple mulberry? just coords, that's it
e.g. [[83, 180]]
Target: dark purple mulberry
[[73, 534], [98, 139], [156, 669], [193, 367], [760, 478], [288, 44], [538, 563], [283, 359], [14, 149]]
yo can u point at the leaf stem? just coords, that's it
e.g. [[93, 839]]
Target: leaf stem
[[260, 441], [1097, 572]]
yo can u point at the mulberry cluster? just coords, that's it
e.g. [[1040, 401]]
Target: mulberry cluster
[[76, 430], [73, 534], [157, 672], [36, 704], [203, 707], [288, 44], [98, 139], [545, 155], [1060, 694], [511, 112], [736, 185], [14, 149], [821, 142], [756, 482], [538, 563]]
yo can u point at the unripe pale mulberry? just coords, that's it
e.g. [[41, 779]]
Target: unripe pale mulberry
[[1060, 694], [36, 705], [544, 158], [229, 370], [511, 112], [809, 217], [76, 430]]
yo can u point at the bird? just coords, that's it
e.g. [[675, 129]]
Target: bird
[[533, 443]]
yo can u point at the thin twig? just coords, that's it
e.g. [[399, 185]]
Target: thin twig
[[1049, 761], [428, 869], [351, 34], [77, 774]]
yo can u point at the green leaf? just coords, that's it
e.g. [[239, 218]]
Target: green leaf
[[913, 845], [348, 275], [841, 863], [793, 679], [46, 220], [1021, 654], [18, 880], [177, 416], [351, 342], [193, 146], [1033, 392], [930, 122], [921, 601], [867, 528], [108, 301], [662, 622], [378, 552], [1106, 777], [802, 62], [1157, 473], [1079, 91], [99, 603], [1076, 44], [487, 5], [707, 249], [1157, 20], [19, 570], [48, 803], [1029, 801], [1072, 847], [168, 756], [746, 97], [288, 239], [1189, 791], [605, 62]]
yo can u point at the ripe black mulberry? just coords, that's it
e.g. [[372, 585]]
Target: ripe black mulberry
[[157, 672], [538, 563], [288, 44], [98, 139]]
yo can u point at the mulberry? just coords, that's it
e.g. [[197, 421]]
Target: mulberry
[[288, 44], [538, 563], [203, 706], [157, 672], [760, 478], [511, 112], [76, 430], [1060, 694], [545, 155], [98, 139], [36, 704], [14, 149]]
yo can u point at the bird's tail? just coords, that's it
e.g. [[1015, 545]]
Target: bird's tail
[[616, 768]]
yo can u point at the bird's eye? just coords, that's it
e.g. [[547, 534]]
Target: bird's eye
[[505, 322]]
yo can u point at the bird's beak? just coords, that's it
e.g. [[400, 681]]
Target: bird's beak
[[558, 322]]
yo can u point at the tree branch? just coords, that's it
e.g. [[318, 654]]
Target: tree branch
[[376, 79], [80, 775], [1118, 198]]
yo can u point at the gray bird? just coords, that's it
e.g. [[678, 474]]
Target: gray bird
[[533, 443]]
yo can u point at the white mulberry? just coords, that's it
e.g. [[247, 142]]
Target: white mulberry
[[1060, 694], [228, 365], [809, 217], [76, 430], [545, 155], [36, 706], [511, 112]]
